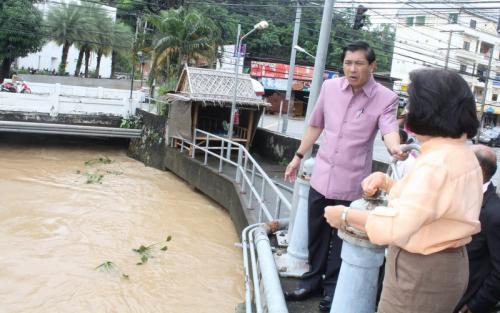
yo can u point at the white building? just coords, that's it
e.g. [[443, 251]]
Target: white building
[[443, 35], [49, 56]]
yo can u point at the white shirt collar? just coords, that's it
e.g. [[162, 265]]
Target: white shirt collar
[[485, 185]]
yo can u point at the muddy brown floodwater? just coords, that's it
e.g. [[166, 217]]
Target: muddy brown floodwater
[[55, 229]]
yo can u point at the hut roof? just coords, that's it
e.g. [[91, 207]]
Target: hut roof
[[214, 87]]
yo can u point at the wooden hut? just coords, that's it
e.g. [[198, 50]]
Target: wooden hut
[[203, 99]]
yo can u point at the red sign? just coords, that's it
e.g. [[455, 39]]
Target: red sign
[[279, 70]]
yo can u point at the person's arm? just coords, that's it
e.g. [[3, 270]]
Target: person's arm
[[389, 128], [488, 294], [312, 134], [355, 218], [391, 141], [316, 125]]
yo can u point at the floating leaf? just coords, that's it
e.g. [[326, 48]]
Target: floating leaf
[[164, 248], [144, 259], [125, 276], [169, 238]]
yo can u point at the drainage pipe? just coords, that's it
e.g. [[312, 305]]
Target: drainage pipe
[[246, 266], [275, 301]]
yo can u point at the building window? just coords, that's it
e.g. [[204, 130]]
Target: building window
[[420, 21], [467, 45], [472, 24], [409, 21], [453, 18], [463, 68], [485, 48], [494, 97]]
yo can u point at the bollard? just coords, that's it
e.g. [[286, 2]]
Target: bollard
[[356, 290], [294, 262]]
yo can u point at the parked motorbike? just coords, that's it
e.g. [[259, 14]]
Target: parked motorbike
[[20, 87]]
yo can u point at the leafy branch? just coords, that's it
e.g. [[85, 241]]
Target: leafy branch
[[146, 252], [111, 267]]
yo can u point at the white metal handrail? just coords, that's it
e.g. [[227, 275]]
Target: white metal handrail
[[246, 171]]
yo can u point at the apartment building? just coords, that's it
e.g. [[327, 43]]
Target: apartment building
[[444, 35]]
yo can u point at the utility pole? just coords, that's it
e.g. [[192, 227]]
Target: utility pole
[[291, 70], [486, 80], [317, 81], [319, 63], [449, 45], [137, 23]]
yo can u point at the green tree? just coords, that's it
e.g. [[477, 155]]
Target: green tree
[[20, 32], [122, 43], [182, 37], [66, 24]]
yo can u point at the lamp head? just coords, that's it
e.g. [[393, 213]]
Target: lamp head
[[261, 25], [299, 48]]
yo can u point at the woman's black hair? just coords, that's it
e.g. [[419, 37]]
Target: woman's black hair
[[441, 104]]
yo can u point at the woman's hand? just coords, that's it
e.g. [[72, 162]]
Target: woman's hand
[[333, 215], [374, 182]]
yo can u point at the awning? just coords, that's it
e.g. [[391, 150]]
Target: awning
[[257, 86], [489, 109]]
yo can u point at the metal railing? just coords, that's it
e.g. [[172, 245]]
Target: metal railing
[[153, 105], [264, 192]]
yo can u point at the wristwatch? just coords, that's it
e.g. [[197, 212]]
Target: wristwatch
[[344, 217], [299, 155]]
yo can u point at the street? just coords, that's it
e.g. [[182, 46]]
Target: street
[[296, 128]]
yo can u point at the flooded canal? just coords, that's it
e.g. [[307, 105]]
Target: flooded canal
[[67, 207]]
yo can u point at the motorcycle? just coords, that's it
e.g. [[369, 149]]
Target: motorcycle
[[19, 86]]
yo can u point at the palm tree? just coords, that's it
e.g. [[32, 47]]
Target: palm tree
[[104, 39], [182, 37], [88, 38], [66, 24]]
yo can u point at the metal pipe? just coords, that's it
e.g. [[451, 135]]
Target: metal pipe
[[246, 247], [273, 293], [255, 275]]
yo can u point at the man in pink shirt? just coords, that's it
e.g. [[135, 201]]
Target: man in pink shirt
[[349, 112]]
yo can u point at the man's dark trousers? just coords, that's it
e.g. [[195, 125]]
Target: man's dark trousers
[[324, 246]]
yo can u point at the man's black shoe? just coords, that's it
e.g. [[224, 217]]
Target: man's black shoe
[[326, 303], [299, 294]]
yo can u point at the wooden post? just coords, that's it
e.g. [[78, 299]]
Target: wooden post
[[195, 121], [250, 128]]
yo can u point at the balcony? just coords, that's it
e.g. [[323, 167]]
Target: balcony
[[466, 55]]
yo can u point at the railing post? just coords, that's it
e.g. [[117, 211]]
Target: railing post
[[221, 156], [278, 207], [262, 199], [243, 180], [206, 151], [182, 145], [250, 197], [100, 93], [238, 166]]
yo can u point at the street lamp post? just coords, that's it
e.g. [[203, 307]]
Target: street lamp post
[[291, 68], [239, 40], [141, 58]]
